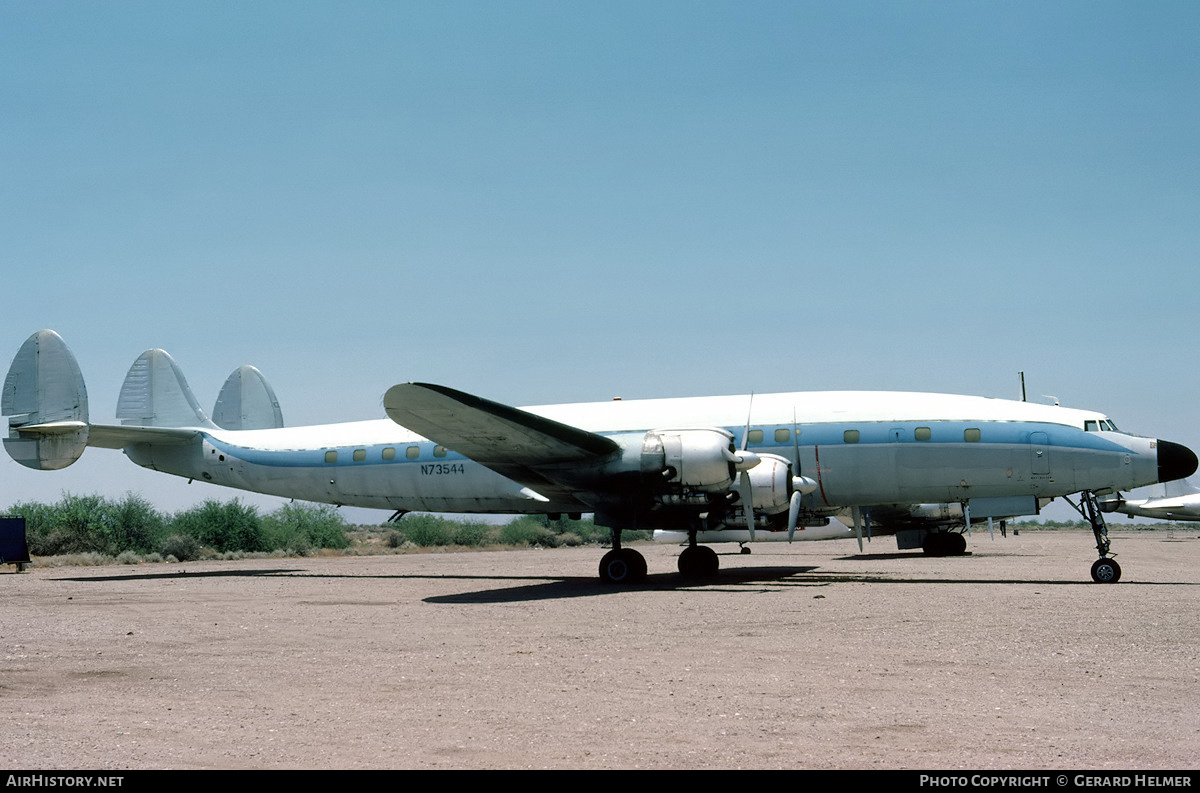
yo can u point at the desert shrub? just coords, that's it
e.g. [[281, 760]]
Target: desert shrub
[[427, 530], [229, 526], [300, 527], [528, 530], [135, 525], [90, 524], [182, 547], [473, 533]]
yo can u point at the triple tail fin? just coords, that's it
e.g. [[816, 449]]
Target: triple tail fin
[[247, 402], [155, 394], [46, 400]]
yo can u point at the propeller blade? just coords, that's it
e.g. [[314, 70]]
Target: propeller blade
[[793, 514], [747, 493], [857, 525], [746, 432]]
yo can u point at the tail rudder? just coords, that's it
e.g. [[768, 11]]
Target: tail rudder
[[155, 394], [46, 401], [247, 402]]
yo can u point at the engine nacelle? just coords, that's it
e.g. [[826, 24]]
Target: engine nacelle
[[771, 484], [690, 462]]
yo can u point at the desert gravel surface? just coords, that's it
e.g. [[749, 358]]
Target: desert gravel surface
[[803, 656]]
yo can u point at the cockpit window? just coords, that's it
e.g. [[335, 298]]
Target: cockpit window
[[1112, 426], [1090, 425], [1103, 425]]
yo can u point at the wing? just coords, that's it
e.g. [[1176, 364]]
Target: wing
[[522, 446]]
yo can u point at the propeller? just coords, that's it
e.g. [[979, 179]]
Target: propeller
[[801, 485], [743, 460]]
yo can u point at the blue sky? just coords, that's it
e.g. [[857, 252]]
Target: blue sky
[[554, 201]]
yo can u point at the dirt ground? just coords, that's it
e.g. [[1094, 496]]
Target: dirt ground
[[803, 656]]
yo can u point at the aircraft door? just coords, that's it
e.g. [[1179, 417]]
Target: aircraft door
[[1039, 450]]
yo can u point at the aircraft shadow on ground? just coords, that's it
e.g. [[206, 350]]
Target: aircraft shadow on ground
[[193, 573], [516, 589]]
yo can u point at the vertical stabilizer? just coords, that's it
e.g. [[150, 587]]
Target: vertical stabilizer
[[46, 402], [155, 394], [247, 402]]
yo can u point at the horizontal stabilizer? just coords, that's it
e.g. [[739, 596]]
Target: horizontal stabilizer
[[46, 400], [155, 394], [247, 402]]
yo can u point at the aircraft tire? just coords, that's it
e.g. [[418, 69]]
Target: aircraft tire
[[958, 545], [935, 544], [1106, 571], [698, 561], [944, 543], [622, 566]]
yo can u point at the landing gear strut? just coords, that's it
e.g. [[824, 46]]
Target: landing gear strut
[[622, 565], [1105, 570]]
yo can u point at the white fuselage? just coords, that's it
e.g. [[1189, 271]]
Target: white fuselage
[[861, 448]]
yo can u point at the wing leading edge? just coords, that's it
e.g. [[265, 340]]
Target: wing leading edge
[[515, 443]]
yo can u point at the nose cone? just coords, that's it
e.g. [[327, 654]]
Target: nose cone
[[1175, 461]]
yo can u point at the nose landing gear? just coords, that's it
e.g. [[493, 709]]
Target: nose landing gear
[[1105, 570]]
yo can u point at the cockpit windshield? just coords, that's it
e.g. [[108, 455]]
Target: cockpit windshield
[[1101, 425]]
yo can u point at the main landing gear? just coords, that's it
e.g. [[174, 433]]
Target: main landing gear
[[944, 543], [622, 565], [1105, 570], [698, 561], [627, 566]]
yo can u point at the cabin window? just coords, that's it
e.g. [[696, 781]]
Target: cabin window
[[331, 457], [755, 436], [971, 435], [360, 455], [850, 436], [922, 433], [389, 453], [439, 451], [782, 436], [412, 452]]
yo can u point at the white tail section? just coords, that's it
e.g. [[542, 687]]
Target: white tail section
[[247, 402], [155, 394], [46, 400]]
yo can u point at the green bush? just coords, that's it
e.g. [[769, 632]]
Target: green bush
[[182, 547], [475, 533], [96, 525], [136, 526], [299, 527], [229, 526], [427, 530], [91, 524], [528, 530]]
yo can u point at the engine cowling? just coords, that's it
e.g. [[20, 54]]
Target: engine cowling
[[771, 484], [691, 465]]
